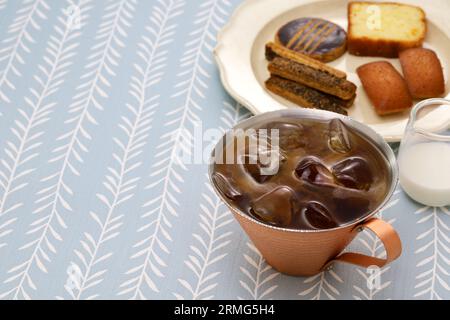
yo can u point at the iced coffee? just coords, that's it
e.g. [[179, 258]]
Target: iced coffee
[[306, 174]]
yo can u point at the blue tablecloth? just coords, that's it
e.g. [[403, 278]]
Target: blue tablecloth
[[93, 200]]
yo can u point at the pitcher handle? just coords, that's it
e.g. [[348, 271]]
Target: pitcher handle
[[388, 236]]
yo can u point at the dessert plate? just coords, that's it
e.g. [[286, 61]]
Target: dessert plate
[[243, 68]]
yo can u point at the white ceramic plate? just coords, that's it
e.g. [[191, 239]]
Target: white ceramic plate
[[243, 68]]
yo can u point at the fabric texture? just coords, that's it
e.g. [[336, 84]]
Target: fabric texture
[[98, 98]]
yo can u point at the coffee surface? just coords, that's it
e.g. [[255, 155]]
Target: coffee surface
[[307, 174]]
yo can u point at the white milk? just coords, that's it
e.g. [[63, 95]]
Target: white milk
[[425, 172]]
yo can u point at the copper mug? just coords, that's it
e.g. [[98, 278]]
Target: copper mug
[[308, 252]]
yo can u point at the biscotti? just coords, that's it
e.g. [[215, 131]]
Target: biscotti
[[311, 76], [423, 73], [305, 96], [274, 50], [384, 29], [318, 38], [385, 87]]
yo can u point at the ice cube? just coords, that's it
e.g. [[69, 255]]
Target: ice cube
[[253, 168], [264, 164], [338, 138], [290, 136], [276, 207], [225, 186], [316, 216], [353, 173], [310, 169]]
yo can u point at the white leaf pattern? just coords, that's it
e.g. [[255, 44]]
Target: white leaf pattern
[[258, 276], [121, 182], [3, 4], [322, 286], [232, 114], [35, 114], [17, 44], [28, 132], [208, 249], [101, 62], [53, 196], [160, 34], [168, 166], [434, 252]]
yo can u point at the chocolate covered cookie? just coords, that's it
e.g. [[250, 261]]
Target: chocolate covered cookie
[[318, 38]]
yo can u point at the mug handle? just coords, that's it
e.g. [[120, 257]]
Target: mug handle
[[388, 236]]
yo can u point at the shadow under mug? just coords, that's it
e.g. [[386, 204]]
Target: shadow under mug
[[308, 252]]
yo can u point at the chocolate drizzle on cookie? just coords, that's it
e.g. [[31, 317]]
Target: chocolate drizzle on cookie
[[318, 38]]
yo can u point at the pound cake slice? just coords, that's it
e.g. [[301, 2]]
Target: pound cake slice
[[384, 28]]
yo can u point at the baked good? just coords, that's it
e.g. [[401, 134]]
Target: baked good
[[423, 73], [385, 87], [318, 38], [305, 96], [274, 50], [312, 76], [384, 29], [306, 81]]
